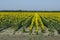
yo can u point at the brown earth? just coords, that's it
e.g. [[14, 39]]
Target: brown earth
[[28, 37], [8, 35]]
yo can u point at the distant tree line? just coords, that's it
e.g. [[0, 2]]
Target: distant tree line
[[25, 11]]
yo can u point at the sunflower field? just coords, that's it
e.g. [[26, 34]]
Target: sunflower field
[[33, 21]]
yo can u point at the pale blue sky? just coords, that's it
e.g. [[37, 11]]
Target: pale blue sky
[[30, 4]]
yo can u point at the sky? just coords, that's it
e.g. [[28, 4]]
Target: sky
[[30, 5]]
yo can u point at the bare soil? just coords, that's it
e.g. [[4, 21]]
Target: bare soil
[[28, 37]]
